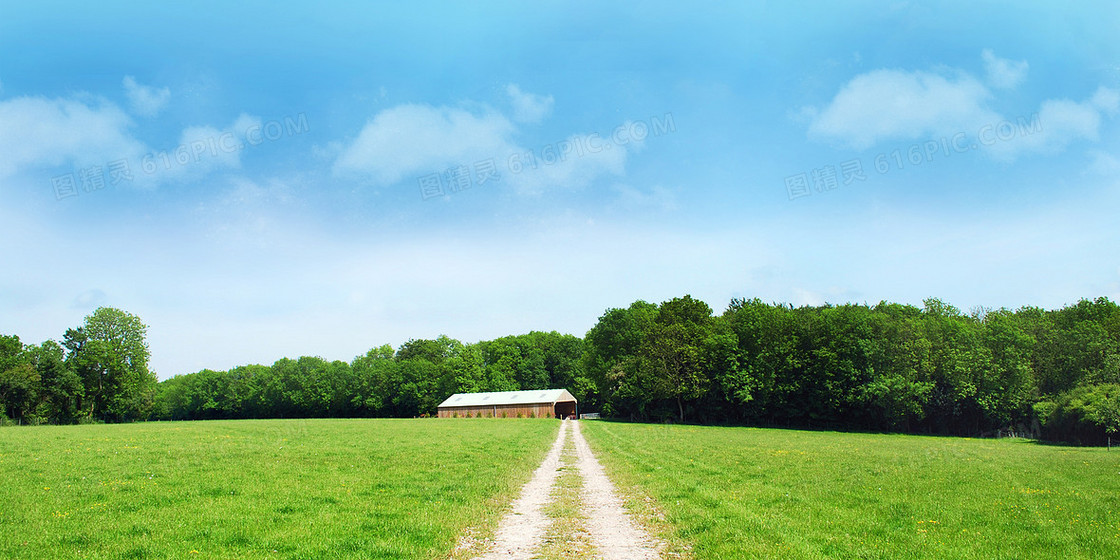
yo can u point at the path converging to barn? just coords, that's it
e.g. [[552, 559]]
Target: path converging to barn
[[602, 525]]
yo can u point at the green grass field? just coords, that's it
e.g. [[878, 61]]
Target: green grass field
[[259, 489], [410, 488], [755, 493]]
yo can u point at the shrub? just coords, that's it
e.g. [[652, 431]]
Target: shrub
[[1043, 410], [1085, 415]]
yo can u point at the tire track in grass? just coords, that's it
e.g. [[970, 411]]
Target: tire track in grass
[[614, 533], [567, 538], [569, 510], [521, 530]]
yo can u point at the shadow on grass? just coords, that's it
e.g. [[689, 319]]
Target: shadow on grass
[[851, 430]]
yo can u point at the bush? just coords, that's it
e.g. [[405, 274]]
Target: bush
[[1086, 415], [1043, 410]]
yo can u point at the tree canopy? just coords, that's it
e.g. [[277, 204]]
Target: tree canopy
[[890, 367]]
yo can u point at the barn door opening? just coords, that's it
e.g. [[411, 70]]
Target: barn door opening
[[565, 409]]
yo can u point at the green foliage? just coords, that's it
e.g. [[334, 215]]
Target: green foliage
[[35, 382], [672, 354], [61, 388], [11, 351], [1085, 415], [888, 367], [610, 348], [19, 382], [109, 353], [19, 389]]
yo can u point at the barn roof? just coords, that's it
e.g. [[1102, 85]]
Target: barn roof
[[550, 396]]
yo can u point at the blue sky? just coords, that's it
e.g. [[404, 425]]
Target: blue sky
[[260, 180]]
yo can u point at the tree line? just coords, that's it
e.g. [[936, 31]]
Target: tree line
[[406, 382], [99, 372], [887, 367]]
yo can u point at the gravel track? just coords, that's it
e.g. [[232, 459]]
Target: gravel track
[[614, 534]]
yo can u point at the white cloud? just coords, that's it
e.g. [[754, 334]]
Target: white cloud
[[527, 107], [203, 149], [893, 104], [1107, 100], [576, 170], [145, 101], [1062, 119], [1062, 122], [412, 140], [1004, 73], [885, 105], [407, 142], [87, 132], [39, 132]]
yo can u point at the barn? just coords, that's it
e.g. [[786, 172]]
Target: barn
[[546, 403]]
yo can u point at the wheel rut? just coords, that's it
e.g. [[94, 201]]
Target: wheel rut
[[570, 510]]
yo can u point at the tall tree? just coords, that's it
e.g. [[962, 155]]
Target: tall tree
[[109, 352], [61, 387], [19, 382], [610, 357], [374, 373], [671, 355]]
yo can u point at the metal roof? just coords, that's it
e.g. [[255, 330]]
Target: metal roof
[[550, 396]]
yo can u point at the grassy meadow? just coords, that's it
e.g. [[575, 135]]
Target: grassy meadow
[[259, 489], [757, 493]]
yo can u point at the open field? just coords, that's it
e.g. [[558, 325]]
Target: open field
[[259, 489], [755, 493]]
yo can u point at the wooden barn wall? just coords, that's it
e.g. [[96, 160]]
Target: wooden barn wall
[[544, 410]]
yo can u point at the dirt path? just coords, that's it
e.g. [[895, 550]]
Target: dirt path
[[612, 533], [520, 531]]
